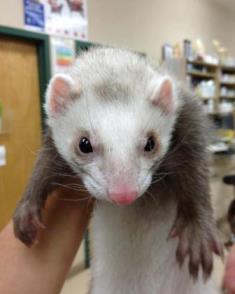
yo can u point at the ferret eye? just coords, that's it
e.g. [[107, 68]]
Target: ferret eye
[[150, 144], [85, 145]]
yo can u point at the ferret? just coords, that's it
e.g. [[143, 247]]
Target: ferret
[[137, 139]]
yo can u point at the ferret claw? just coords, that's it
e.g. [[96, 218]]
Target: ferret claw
[[182, 250], [206, 262], [193, 268], [199, 243], [27, 222]]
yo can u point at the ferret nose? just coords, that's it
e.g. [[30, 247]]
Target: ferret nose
[[123, 197]]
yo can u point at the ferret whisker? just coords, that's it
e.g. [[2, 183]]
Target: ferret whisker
[[74, 200], [93, 179], [165, 162], [158, 180], [163, 174], [81, 188], [76, 184], [31, 151], [179, 144], [69, 187], [153, 198], [67, 175], [159, 177], [97, 204]]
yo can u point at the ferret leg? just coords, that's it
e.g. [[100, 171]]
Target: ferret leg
[[27, 221], [47, 173], [197, 239], [188, 182]]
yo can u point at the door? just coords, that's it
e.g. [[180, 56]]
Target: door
[[20, 97]]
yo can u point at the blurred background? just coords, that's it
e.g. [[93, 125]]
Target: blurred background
[[194, 39]]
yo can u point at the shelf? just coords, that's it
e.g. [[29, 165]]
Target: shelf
[[206, 97], [220, 113], [227, 84], [202, 63], [227, 97], [228, 68], [201, 74]]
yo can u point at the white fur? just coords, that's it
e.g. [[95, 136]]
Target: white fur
[[132, 254], [119, 122]]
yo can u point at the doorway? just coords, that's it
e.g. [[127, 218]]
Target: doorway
[[24, 73]]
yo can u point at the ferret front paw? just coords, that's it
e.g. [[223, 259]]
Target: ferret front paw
[[198, 242], [27, 222]]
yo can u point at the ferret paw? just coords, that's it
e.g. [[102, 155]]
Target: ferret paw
[[198, 242], [27, 222]]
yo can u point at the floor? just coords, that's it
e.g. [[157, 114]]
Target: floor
[[78, 284]]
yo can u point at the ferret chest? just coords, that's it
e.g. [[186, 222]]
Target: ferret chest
[[129, 248]]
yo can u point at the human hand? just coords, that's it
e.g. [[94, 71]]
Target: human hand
[[229, 276], [43, 268]]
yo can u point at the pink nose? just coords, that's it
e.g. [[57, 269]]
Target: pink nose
[[123, 198]]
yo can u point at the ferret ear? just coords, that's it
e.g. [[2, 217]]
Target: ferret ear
[[163, 95], [60, 92]]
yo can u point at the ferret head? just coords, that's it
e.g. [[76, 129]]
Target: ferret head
[[111, 120]]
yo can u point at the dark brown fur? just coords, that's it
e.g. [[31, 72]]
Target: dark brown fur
[[50, 170], [187, 179]]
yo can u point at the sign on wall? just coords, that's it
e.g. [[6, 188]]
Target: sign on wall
[[34, 15], [66, 18], [62, 54]]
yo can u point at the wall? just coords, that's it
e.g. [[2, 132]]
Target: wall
[[11, 13], [146, 25]]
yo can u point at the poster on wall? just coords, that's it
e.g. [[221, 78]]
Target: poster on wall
[[62, 54], [65, 18], [34, 15]]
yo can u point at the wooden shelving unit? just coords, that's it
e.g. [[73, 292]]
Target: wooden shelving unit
[[223, 78], [230, 69], [196, 71], [228, 84], [202, 63], [227, 97], [205, 75]]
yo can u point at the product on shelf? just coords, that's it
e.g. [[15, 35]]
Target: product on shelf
[[228, 62], [206, 89]]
